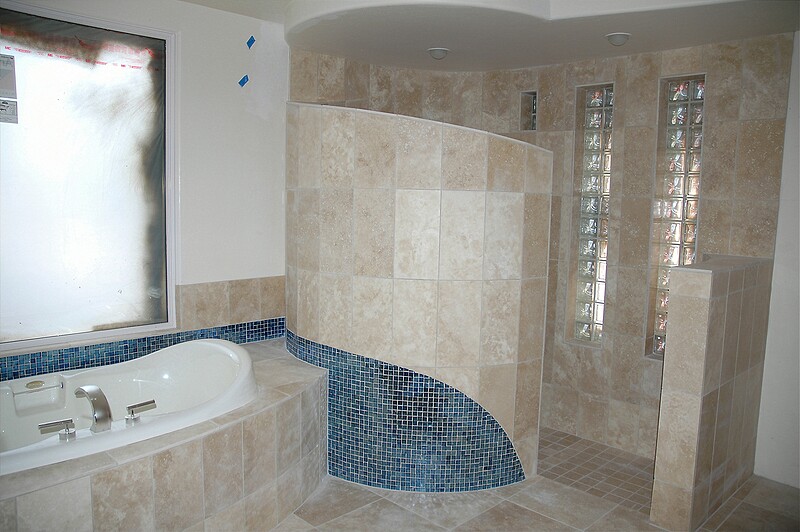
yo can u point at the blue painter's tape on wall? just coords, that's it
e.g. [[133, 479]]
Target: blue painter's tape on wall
[[244, 80], [251, 41]]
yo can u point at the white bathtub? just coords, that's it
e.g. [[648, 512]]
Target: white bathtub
[[190, 382]]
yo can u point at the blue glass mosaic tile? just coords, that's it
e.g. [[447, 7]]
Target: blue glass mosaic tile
[[30, 364], [393, 428]]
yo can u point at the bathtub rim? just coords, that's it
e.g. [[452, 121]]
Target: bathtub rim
[[269, 394]]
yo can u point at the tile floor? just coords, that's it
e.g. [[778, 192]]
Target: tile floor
[[582, 485]]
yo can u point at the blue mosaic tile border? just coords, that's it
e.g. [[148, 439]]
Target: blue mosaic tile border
[[30, 364], [393, 428]]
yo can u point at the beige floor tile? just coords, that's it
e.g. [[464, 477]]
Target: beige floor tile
[[623, 519], [445, 509], [747, 517], [333, 499], [775, 497], [293, 524], [509, 516], [722, 513], [381, 515], [563, 503]]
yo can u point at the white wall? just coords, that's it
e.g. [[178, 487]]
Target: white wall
[[778, 444], [231, 139]]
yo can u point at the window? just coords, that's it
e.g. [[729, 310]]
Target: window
[[594, 157], [676, 207], [83, 183]]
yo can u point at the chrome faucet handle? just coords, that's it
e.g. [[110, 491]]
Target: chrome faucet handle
[[65, 428], [133, 411]]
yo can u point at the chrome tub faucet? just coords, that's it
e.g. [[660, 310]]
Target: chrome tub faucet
[[101, 411]]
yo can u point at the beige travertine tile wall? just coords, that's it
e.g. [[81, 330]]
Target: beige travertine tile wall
[[424, 245], [227, 302], [712, 387], [245, 470], [609, 394]]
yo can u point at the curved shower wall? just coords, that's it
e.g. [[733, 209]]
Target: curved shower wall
[[422, 245]]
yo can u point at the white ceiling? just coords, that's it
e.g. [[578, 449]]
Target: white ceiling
[[500, 34]]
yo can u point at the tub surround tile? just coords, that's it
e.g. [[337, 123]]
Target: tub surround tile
[[178, 486], [8, 515], [244, 300], [122, 498], [69, 507], [289, 491], [204, 305], [260, 508], [143, 449], [273, 297], [22, 482], [259, 450], [289, 438], [222, 469], [230, 518]]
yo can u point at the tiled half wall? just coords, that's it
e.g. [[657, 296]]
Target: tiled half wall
[[425, 246], [711, 393]]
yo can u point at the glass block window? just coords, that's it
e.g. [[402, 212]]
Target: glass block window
[[676, 205], [595, 171]]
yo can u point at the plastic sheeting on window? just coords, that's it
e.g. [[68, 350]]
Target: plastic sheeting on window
[[82, 181]]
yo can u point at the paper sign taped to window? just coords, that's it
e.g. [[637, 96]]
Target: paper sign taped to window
[[8, 77], [8, 111]]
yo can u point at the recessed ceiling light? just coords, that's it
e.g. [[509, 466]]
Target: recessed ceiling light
[[618, 38], [438, 53]]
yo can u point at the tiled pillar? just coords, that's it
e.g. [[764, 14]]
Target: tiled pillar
[[711, 388]]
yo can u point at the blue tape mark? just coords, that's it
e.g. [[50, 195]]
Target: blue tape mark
[[251, 41], [244, 80]]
